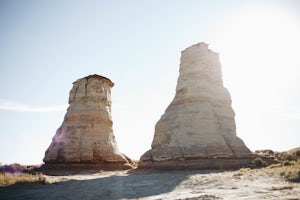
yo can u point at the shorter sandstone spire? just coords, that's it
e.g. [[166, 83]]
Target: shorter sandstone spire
[[86, 138], [198, 128]]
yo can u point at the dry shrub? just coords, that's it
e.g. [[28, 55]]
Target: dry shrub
[[297, 153], [288, 168], [241, 172], [290, 172], [291, 155], [290, 165], [259, 163], [16, 173], [244, 170]]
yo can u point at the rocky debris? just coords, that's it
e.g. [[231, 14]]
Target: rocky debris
[[198, 128], [285, 157], [85, 139], [267, 156]]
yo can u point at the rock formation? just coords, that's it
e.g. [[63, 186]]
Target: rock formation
[[197, 130], [85, 139]]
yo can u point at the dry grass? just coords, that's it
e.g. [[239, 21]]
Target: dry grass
[[287, 168], [289, 173], [291, 155], [10, 179]]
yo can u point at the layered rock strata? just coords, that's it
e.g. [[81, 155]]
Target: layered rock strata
[[85, 139], [197, 130]]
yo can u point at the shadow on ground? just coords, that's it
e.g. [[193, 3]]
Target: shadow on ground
[[133, 185]]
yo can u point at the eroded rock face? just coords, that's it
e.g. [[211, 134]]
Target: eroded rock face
[[198, 128], [86, 134]]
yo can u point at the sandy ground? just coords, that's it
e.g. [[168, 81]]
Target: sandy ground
[[157, 185]]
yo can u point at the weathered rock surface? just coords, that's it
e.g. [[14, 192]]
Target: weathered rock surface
[[198, 128], [85, 139]]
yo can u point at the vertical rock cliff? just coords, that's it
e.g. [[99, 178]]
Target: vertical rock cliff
[[85, 139], [198, 128]]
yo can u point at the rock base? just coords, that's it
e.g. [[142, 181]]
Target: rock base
[[75, 168], [198, 164]]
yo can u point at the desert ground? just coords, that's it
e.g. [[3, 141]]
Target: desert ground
[[138, 184]]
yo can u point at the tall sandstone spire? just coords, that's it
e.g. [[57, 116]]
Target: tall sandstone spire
[[197, 130], [85, 139]]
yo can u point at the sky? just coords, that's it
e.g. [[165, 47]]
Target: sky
[[46, 45]]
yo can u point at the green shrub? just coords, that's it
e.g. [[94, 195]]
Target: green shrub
[[259, 163], [297, 153], [287, 163]]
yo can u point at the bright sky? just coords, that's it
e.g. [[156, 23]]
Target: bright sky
[[46, 45]]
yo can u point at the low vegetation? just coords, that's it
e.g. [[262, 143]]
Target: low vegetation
[[9, 179], [286, 164], [16, 173], [258, 163], [290, 165]]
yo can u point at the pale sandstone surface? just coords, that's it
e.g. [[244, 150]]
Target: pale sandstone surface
[[199, 123], [86, 134], [155, 185]]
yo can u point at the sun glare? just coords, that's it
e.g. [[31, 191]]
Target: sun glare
[[259, 55]]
